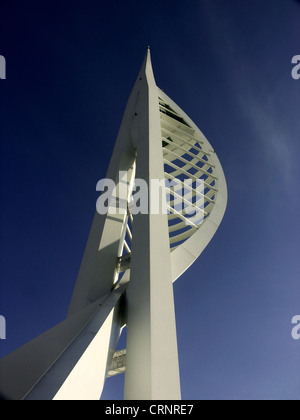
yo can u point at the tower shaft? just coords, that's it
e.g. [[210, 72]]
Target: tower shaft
[[152, 362]]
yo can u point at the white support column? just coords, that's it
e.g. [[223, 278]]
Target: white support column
[[152, 370]]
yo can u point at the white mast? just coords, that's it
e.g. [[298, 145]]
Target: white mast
[[152, 362]]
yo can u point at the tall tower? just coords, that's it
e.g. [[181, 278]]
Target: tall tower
[[135, 251]]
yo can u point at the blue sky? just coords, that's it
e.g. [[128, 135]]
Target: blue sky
[[227, 64]]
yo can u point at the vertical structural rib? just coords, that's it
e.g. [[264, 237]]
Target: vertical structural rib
[[152, 370]]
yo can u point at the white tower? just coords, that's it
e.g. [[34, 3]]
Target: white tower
[[130, 263]]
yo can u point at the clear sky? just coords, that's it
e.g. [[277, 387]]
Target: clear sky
[[70, 69]]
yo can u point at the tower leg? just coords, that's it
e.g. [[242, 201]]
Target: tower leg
[[152, 370], [82, 347]]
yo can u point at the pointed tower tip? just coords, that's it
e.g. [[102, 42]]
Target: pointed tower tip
[[146, 68], [148, 54], [147, 59]]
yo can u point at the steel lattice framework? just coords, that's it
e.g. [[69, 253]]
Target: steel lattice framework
[[130, 263]]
